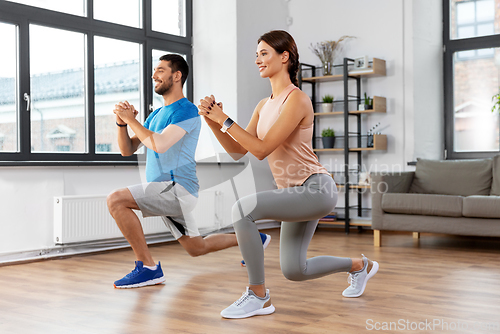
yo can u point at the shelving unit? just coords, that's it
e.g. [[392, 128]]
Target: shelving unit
[[377, 68]]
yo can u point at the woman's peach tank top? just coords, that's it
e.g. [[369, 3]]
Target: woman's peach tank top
[[294, 160]]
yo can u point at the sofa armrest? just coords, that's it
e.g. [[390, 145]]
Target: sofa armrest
[[396, 182]]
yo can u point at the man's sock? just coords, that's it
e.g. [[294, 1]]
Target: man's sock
[[151, 267]]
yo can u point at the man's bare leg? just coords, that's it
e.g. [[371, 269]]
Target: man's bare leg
[[196, 246], [120, 205]]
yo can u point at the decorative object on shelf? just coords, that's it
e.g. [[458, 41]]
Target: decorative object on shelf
[[496, 100], [364, 179], [361, 63], [328, 137], [369, 137], [327, 105], [330, 217], [367, 104], [327, 52]]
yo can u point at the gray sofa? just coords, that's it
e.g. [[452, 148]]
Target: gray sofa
[[459, 197]]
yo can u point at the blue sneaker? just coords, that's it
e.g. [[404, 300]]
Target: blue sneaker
[[266, 239], [141, 276]]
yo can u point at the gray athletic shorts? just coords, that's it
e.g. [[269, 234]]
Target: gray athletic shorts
[[169, 200]]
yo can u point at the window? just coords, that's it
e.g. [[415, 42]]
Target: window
[[57, 87], [129, 13], [117, 72], [65, 64], [475, 127], [9, 138], [172, 21], [471, 77], [75, 7], [472, 18]]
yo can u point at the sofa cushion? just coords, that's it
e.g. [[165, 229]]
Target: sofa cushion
[[495, 184], [453, 177], [423, 204], [482, 206]]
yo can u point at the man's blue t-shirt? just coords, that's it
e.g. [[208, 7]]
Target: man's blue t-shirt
[[177, 163]]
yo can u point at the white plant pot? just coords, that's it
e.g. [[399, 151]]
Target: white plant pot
[[327, 107]]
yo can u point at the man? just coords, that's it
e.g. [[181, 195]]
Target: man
[[170, 135]]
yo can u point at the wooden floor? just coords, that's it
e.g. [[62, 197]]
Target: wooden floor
[[453, 280]]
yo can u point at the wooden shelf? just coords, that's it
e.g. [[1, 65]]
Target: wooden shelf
[[328, 150], [379, 106], [337, 77], [379, 144], [377, 69]]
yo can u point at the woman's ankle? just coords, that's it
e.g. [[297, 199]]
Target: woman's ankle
[[357, 265], [258, 290]]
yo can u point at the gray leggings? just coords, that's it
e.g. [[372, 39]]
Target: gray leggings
[[299, 208]]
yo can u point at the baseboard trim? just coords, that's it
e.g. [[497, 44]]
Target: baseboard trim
[[68, 250]]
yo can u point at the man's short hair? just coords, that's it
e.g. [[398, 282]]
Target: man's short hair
[[177, 63]]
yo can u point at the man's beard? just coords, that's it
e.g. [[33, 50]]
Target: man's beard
[[165, 86]]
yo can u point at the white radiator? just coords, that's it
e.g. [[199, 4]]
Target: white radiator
[[86, 218]]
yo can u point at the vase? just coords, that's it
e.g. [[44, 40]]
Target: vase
[[327, 68], [328, 142], [327, 107]]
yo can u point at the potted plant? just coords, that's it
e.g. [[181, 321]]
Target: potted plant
[[327, 52], [328, 136], [496, 100], [327, 105], [367, 103]]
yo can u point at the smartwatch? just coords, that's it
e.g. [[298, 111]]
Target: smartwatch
[[227, 124]]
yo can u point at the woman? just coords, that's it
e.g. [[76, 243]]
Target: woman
[[281, 130]]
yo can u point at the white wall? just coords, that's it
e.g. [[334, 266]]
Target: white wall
[[27, 194], [214, 61], [428, 79], [224, 63]]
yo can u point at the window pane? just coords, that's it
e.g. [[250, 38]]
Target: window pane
[[169, 16], [466, 32], [75, 7], [58, 113], [466, 54], [473, 18], [465, 12], [117, 78], [485, 10], [486, 52], [8, 82], [476, 128], [158, 99], [485, 29], [125, 12]]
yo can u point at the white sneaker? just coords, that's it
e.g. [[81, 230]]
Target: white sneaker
[[358, 279], [249, 305]]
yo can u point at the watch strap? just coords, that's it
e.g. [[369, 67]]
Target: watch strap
[[226, 125]]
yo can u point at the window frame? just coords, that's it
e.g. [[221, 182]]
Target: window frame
[[24, 15], [451, 46]]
